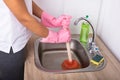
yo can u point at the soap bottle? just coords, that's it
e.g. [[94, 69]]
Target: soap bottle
[[84, 34]]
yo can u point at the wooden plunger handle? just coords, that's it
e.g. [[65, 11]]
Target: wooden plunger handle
[[69, 52]]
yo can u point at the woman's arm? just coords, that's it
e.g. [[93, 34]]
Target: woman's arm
[[37, 11], [20, 11]]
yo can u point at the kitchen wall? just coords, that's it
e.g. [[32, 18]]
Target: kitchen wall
[[109, 25], [75, 8]]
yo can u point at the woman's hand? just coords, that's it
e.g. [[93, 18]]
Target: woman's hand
[[50, 21], [62, 36]]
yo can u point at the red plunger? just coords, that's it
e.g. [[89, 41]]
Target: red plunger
[[69, 63]]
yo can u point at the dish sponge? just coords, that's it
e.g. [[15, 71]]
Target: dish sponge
[[97, 59]]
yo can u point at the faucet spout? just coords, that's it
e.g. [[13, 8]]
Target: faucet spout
[[78, 20]]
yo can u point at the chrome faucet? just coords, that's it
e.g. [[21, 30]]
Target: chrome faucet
[[91, 44]]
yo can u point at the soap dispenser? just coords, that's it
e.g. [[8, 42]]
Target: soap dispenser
[[84, 34]]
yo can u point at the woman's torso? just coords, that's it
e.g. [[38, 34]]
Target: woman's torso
[[12, 32]]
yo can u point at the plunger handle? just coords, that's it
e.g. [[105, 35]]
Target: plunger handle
[[69, 52]]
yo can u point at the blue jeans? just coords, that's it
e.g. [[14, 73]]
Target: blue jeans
[[12, 65]]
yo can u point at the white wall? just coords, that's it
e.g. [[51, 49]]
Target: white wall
[[53, 7], [81, 8], [109, 25], [75, 8]]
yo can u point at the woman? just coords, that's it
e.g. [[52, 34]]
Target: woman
[[16, 26]]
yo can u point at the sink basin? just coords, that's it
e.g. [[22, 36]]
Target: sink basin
[[49, 57]]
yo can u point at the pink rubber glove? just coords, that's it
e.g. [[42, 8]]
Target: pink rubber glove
[[64, 36], [64, 33], [50, 21], [51, 38], [66, 21], [57, 37]]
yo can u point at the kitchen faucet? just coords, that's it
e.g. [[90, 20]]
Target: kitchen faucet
[[91, 44]]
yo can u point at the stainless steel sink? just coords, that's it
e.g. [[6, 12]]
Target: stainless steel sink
[[49, 57]]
